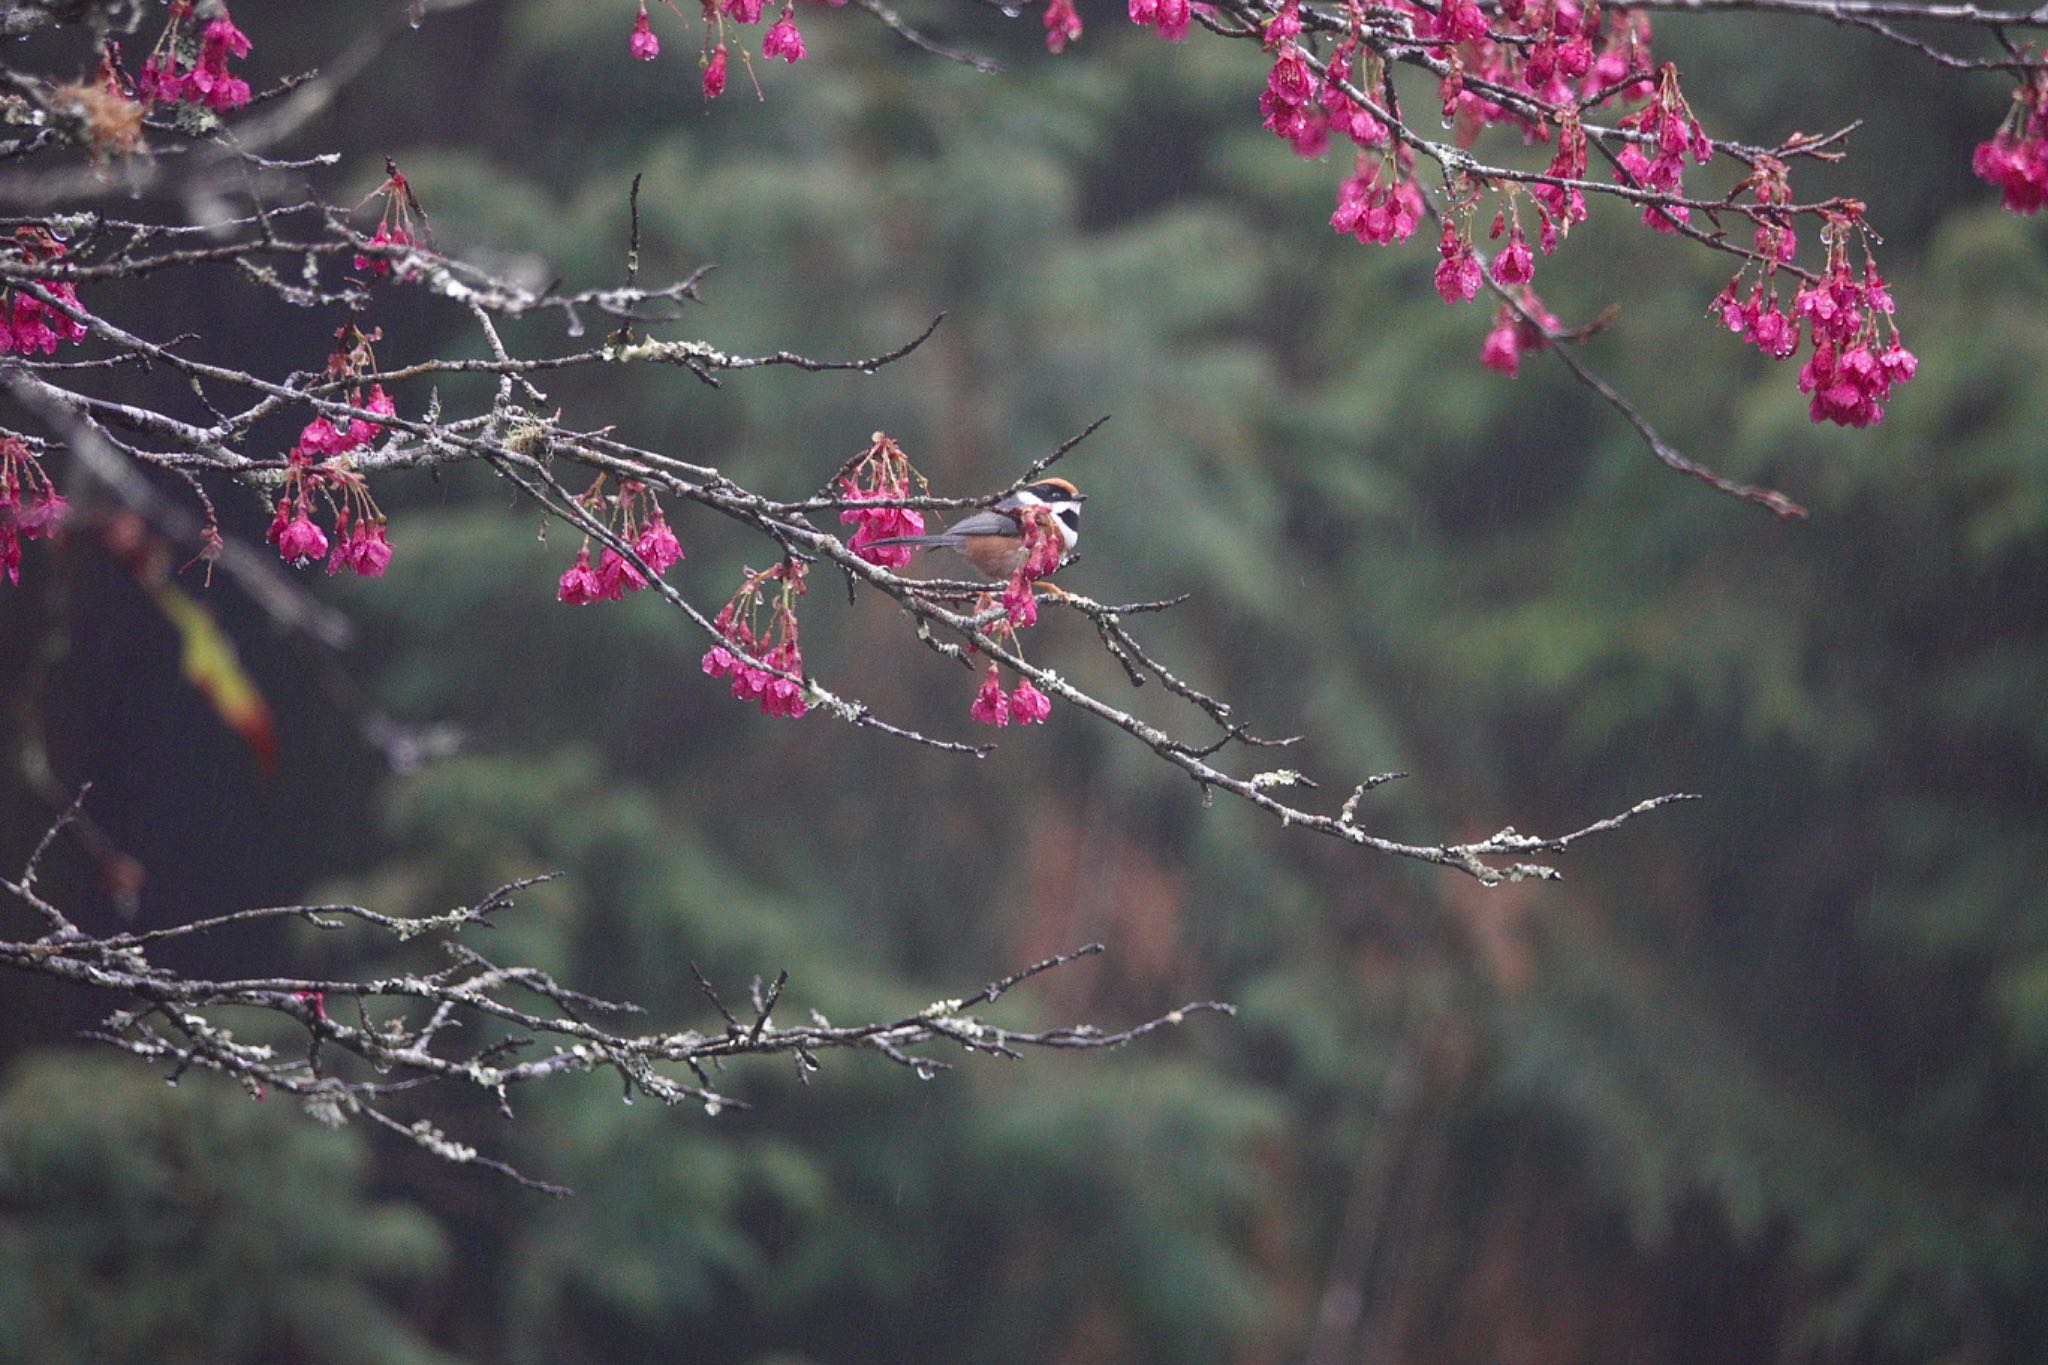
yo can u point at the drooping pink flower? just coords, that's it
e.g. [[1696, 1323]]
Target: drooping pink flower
[[2018, 166], [644, 46], [991, 704], [1019, 601], [1514, 264], [1500, 351], [1062, 24], [40, 514], [1372, 210], [714, 73], [1028, 705], [371, 551], [579, 586], [658, 544], [1511, 336], [782, 40], [1457, 274], [745, 11], [1290, 81], [300, 540], [616, 575], [385, 235]]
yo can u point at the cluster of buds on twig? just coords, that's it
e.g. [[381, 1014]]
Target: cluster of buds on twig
[[634, 515], [770, 594]]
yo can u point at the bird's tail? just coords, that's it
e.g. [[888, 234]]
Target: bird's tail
[[942, 541]]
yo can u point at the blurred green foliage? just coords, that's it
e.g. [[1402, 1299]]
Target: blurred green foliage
[[1761, 1080]]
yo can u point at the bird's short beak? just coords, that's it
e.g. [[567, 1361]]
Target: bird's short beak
[[1080, 497]]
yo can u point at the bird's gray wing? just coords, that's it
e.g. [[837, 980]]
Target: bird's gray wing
[[984, 523]]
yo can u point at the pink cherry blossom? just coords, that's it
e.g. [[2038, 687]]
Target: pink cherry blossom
[[644, 46], [782, 40]]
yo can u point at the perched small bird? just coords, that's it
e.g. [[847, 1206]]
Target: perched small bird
[[992, 540]]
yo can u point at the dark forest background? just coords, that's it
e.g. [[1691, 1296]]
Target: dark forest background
[[1763, 1080]]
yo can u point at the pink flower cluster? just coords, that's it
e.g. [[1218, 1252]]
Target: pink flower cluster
[[1857, 357], [1848, 374], [359, 543], [882, 471], [1672, 133], [1379, 202], [178, 71], [1560, 54], [27, 324], [634, 515], [31, 508], [776, 646], [1304, 107], [1170, 17], [1025, 704], [316, 471], [2016, 157], [1043, 547]]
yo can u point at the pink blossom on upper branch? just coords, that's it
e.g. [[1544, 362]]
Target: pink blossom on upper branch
[[714, 73], [166, 77], [1170, 17]]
